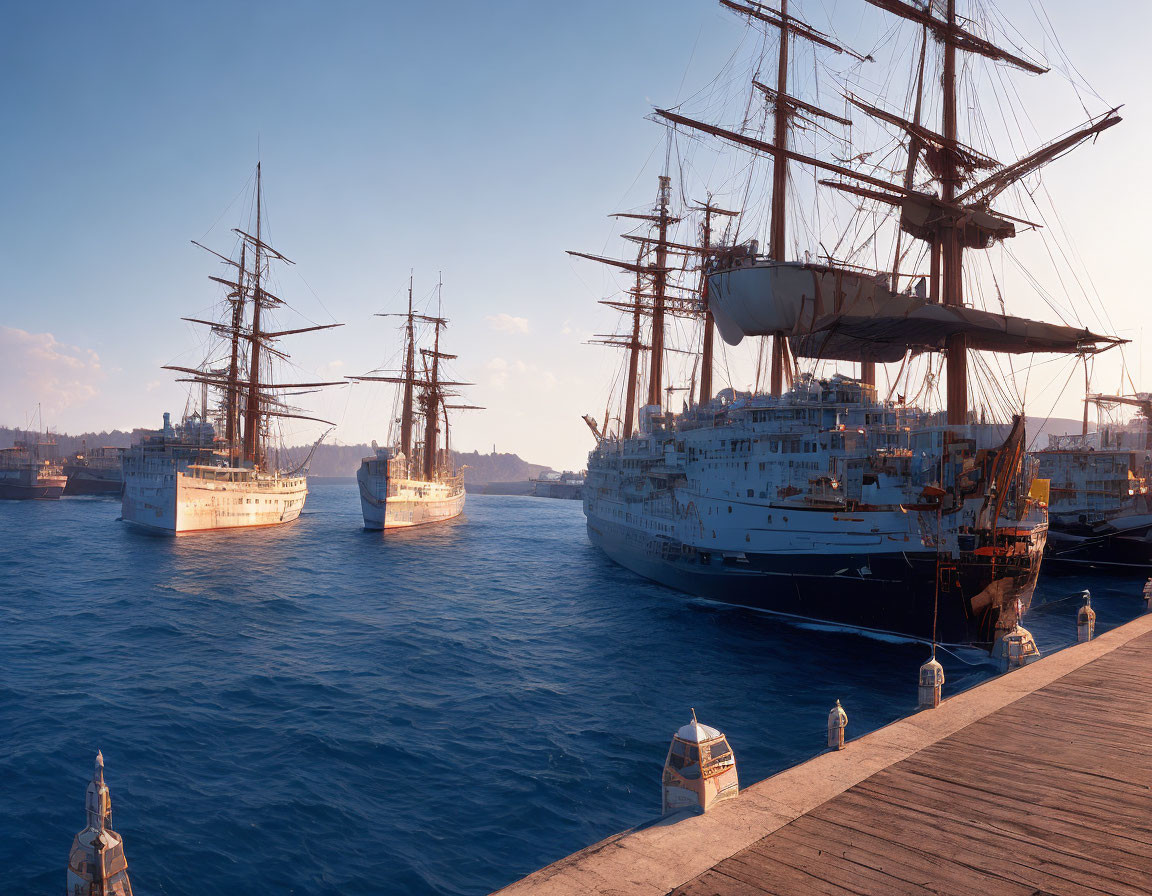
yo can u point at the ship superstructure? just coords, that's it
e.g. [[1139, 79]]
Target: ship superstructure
[[1100, 509], [199, 476], [412, 482], [816, 497]]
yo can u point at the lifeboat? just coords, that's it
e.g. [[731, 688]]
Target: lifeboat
[[700, 770]]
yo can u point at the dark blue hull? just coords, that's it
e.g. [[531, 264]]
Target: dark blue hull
[[892, 592]]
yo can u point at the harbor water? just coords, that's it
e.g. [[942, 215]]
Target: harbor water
[[316, 709]]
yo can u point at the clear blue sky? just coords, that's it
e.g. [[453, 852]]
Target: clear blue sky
[[480, 140]]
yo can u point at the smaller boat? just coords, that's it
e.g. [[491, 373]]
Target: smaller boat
[[31, 471], [1100, 508], [414, 483], [96, 864], [700, 770]]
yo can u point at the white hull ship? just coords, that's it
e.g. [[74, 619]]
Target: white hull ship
[[187, 479], [1100, 508], [396, 493], [390, 500], [815, 498], [178, 482]]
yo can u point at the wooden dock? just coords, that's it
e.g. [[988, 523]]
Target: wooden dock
[[1037, 783]]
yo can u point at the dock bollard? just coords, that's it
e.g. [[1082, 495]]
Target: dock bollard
[[837, 722], [1086, 620], [931, 683]]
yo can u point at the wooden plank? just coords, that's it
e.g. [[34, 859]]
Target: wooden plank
[[1073, 860], [716, 883], [1060, 825], [1041, 872], [757, 869], [947, 876], [840, 864]]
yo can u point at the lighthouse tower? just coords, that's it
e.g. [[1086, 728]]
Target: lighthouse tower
[[96, 865]]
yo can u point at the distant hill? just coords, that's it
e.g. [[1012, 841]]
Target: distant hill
[[1039, 429], [67, 444], [479, 469], [329, 460]]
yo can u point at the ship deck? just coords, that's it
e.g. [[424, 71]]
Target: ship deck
[[1038, 781]]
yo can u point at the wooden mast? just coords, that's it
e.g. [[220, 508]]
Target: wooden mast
[[633, 354], [252, 407], [951, 248], [409, 380], [709, 340], [709, 321], [432, 402], [777, 231], [659, 283], [232, 396]]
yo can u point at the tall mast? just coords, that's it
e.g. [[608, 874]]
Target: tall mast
[[409, 380], [777, 231], [252, 409], [232, 396], [660, 283], [709, 322], [951, 248], [709, 341], [432, 406], [633, 353]]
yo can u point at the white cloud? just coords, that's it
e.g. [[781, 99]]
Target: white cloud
[[37, 369], [506, 323]]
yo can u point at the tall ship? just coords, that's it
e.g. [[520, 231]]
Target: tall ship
[[201, 475], [95, 471], [412, 481], [1100, 509], [818, 497], [31, 470]]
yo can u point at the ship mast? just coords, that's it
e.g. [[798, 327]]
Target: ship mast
[[659, 287], [708, 342], [432, 394], [952, 250], [776, 236], [633, 354], [232, 395], [252, 419], [409, 379]]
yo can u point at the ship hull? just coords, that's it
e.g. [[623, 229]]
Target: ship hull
[[406, 503], [86, 482], [1122, 546], [179, 503], [30, 485], [892, 592]]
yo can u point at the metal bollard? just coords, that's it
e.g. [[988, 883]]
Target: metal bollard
[[931, 684], [837, 722], [1086, 620]]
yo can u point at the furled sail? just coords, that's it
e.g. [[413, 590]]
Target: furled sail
[[909, 323], [843, 314]]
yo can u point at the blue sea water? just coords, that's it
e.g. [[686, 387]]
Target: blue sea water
[[316, 709]]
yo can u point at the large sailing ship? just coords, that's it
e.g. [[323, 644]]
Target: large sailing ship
[[1100, 509], [413, 482], [817, 498], [188, 478]]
